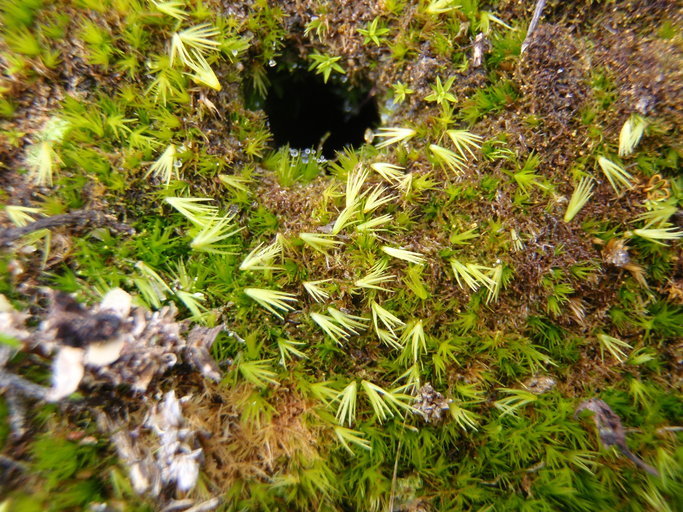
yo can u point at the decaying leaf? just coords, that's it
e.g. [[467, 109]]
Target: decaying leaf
[[611, 431], [615, 252]]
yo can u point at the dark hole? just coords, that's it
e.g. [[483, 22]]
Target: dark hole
[[304, 111]]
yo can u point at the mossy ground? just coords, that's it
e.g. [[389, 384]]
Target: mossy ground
[[273, 439]]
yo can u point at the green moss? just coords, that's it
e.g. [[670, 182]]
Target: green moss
[[532, 297]]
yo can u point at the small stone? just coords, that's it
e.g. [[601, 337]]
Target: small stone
[[540, 384]]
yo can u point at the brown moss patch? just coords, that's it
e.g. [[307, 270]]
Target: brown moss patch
[[552, 72], [241, 449], [294, 205], [648, 75]]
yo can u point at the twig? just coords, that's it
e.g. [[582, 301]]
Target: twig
[[11, 464], [540, 4], [205, 506], [177, 505], [22, 386], [392, 496], [536, 467], [17, 413], [12, 474], [481, 45], [611, 431], [81, 218], [663, 430]]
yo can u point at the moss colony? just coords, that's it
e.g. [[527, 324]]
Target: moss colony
[[340, 255]]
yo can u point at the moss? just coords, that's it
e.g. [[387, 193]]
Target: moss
[[487, 286]]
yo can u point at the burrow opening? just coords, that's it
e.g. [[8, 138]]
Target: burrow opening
[[305, 112]]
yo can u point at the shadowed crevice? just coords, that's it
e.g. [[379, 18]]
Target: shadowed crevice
[[305, 112]]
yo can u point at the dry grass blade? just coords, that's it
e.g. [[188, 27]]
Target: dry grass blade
[[354, 182], [465, 141], [631, 133], [617, 176], [330, 326], [261, 257], [164, 168], [316, 291], [273, 300], [390, 172], [393, 135], [582, 193], [320, 242], [449, 158], [405, 255], [376, 277], [193, 208]]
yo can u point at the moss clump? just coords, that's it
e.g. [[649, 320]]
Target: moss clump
[[439, 251]]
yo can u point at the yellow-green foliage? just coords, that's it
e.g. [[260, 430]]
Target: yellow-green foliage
[[475, 241]]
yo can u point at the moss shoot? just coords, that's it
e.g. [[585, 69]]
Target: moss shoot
[[442, 255]]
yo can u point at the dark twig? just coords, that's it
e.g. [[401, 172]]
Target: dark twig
[[611, 430], [79, 218], [12, 474], [540, 4], [7, 463]]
